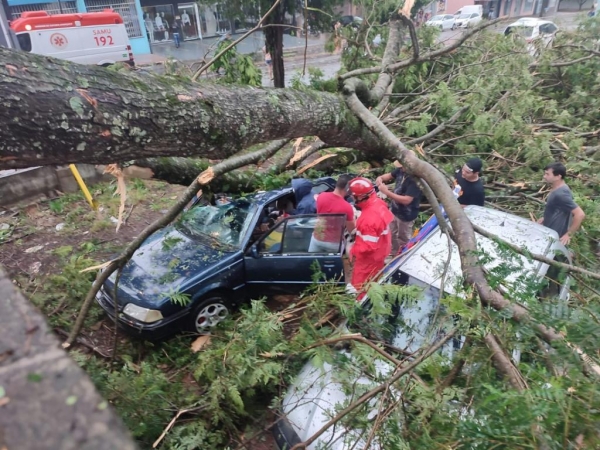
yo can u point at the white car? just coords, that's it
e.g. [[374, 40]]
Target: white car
[[537, 33], [443, 21], [467, 20], [318, 392]]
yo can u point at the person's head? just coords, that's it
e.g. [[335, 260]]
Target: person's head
[[554, 172], [361, 189], [284, 204], [342, 184], [471, 170]]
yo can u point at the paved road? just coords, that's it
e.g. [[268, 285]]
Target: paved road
[[330, 64]]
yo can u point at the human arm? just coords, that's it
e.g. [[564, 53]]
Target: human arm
[[578, 216], [385, 178], [401, 199]]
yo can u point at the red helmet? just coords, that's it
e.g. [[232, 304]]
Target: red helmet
[[361, 188]]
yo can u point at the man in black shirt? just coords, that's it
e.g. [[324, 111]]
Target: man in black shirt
[[472, 192], [406, 199]]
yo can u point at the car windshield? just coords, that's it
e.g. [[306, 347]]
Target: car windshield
[[521, 30], [224, 224], [464, 16]]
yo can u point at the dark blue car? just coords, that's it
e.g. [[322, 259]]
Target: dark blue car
[[190, 275]]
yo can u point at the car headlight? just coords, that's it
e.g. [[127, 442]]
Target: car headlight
[[142, 314]]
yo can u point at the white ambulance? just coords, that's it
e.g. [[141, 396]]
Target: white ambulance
[[86, 38]]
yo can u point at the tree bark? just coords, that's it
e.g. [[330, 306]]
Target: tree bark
[[274, 44], [57, 112]]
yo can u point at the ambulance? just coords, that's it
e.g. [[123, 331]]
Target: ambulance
[[85, 38]]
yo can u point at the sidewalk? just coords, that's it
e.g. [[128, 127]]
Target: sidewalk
[[198, 49]]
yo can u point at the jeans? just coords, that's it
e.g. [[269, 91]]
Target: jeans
[[176, 39]]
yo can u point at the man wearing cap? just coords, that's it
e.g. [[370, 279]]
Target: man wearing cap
[[472, 192]]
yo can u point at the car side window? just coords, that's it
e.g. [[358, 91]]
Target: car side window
[[305, 234], [551, 28], [271, 243]]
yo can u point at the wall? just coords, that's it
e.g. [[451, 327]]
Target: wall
[[31, 184]]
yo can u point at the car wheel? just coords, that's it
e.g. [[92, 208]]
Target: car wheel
[[209, 313]]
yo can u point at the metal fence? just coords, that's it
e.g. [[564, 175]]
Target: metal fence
[[51, 8], [127, 10]]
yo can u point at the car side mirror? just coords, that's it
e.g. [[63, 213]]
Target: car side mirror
[[254, 251]]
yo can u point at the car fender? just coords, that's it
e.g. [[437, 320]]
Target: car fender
[[218, 287]]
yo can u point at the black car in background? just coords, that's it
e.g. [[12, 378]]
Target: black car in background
[[191, 274]]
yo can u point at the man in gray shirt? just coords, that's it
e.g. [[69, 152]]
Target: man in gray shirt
[[562, 213]]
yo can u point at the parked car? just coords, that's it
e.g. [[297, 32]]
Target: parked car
[[190, 275], [536, 32], [443, 21], [317, 393], [353, 21], [467, 20], [477, 9]]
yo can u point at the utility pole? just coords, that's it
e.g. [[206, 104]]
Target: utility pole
[[5, 36]]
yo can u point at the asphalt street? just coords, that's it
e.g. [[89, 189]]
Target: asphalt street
[[330, 64]]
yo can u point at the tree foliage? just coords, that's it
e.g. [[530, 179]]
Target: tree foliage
[[488, 97]]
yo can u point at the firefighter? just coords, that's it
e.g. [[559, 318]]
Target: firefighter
[[373, 240]]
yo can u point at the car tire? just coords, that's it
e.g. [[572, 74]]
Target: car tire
[[211, 311]]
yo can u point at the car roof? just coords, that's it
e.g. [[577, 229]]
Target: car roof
[[530, 22], [261, 198], [426, 261]]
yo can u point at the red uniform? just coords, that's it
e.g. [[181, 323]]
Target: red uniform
[[373, 240]]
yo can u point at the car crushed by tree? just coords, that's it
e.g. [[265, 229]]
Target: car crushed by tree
[[407, 323]]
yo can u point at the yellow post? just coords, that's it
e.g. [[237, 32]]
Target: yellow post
[[82, 186]]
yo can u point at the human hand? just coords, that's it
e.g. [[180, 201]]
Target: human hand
[[378, 180], [540, 220], [565, 238]]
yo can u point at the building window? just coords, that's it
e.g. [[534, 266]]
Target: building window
[[125, 8], [158, 21], [50, 8]]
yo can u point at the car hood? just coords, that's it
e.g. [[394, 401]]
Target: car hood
[[168, 261], [313, 400]]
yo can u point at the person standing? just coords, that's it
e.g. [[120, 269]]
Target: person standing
[[268, 62], [373, 240], [326, 237], [406, 200], [468, 177], [561, 213]]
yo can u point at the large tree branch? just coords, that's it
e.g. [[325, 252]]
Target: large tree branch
[[58, 112], [464, 233], [424, 57], [392, 49]]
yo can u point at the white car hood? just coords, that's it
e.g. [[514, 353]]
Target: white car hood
[[314, 400]]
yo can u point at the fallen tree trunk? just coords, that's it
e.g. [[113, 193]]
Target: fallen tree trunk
[[59, 112]]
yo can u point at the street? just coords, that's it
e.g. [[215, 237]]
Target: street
[[328, 63]]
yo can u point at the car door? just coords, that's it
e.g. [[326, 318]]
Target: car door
[[448, 22], [287, 258]]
